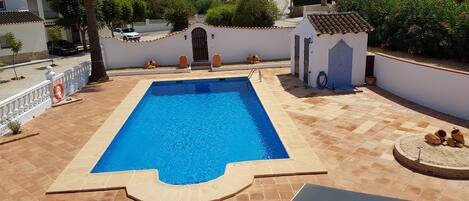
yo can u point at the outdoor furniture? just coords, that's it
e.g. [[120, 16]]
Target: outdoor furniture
[[310, 192]]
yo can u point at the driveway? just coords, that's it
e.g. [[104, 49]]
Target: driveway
[[34, 73]]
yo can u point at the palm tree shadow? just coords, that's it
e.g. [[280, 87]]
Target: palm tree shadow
[[91, 88]]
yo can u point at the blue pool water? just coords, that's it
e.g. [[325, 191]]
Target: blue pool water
[[189, 131]]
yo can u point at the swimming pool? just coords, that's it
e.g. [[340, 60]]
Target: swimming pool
[[189, 130]]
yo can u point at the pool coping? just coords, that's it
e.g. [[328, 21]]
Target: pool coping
[[142, 185]]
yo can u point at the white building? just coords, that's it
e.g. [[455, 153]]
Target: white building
[[332, 43], [42, 9], [26, 27]]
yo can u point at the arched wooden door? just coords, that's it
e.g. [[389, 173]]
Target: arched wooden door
[[340, 66], [199, 44]]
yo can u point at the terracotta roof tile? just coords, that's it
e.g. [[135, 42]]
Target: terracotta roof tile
[[339, 23], [15, 17]]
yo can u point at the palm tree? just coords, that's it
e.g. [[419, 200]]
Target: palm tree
[[98, 72]]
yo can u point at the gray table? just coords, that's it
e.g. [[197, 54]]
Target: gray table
[[310, 192]]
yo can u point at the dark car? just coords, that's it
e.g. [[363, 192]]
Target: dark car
[[62, 48]]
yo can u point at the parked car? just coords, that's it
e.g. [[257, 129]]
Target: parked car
[[62, 48], [128, 34]]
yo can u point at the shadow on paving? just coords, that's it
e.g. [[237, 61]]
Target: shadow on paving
[[419, 108]]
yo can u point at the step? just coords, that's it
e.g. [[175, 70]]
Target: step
[[201, 63], [200, 67]]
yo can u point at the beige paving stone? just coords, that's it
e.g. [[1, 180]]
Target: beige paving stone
[[365, 127], [354, 161], [387, 157]]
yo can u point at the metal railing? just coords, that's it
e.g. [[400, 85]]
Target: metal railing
[[253, 70]]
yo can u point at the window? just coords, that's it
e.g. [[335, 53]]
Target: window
[[2, 5], [3, 43]]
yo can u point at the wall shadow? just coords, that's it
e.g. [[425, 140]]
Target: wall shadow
[[419, 108], [297, 88]]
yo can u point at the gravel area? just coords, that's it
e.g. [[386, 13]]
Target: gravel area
[[439, 155]]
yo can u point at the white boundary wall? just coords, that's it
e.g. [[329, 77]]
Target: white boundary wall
[[233, 44], [32, 102], [32, 34], [440, 89], [151, 26]]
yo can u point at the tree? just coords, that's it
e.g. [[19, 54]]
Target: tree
[[15, 46], [323, 2], [255, 13], [178, 13], [127, 11], [221, 15], [111, 11], [139, 8], [156, 8], [55, 33], [202, 6], [98, 72], [72, 16]]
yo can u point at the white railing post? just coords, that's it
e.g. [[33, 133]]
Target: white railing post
[[50, 74]]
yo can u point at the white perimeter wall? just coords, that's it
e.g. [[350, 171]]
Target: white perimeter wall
[[33, 36], [442, 90], [151, 26], [233, 44], [319, 51]]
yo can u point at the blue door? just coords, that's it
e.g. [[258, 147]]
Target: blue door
[[340, 66]]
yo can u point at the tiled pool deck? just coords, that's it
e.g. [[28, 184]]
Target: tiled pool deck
[[351, 134], [143, 185]]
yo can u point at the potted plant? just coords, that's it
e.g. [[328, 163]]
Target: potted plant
[[253, 59]]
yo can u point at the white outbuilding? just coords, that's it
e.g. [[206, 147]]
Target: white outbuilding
[[332, 46]]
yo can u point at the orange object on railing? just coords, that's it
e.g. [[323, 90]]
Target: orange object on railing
[[216, 60], [183, 63], [58, 91]]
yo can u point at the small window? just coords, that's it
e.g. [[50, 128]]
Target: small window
[[2, 5], [3, 43]]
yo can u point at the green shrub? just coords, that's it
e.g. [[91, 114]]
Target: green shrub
[[156, 8], [434, 28], [221, 16], [255, 13], [203, 6], [14, 126], [55, 33], [178, 13]]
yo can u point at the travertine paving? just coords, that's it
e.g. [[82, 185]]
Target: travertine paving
[[351, 134], [145, 184]]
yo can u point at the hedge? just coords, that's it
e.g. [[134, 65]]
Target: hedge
[[433, 28]]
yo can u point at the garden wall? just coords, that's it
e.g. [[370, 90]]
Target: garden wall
[[33, 44], [151, 26], [233, 44], [441, 89]]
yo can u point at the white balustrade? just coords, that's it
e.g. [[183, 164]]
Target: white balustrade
[[75, 78], [20, 106]]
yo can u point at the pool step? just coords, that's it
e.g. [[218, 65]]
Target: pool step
[[201, 65]]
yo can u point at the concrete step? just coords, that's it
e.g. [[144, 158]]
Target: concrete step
[[201, 65]]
